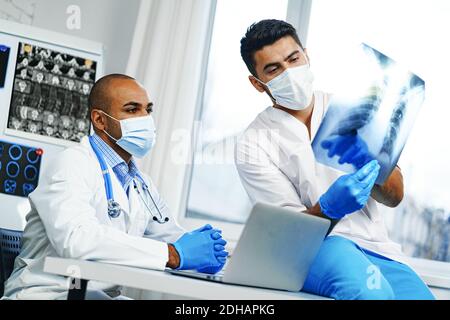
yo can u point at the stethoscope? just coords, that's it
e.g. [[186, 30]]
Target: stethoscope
[[114, 208]]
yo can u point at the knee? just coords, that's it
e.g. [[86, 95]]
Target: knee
[[362, 291], [383, 293]]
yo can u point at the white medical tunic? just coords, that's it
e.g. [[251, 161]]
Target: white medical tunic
[[69, 219], [276, 163]]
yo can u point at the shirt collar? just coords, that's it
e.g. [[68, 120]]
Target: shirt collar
[[111, 157], [290, 122], [124, 172]]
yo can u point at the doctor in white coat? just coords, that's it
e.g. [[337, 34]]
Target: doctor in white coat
[[70, 216], [276, 163]]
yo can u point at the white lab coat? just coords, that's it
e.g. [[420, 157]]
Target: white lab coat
[[276, 163], [69, 219]]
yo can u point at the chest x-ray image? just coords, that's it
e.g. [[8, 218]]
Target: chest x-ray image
[[372, 118]]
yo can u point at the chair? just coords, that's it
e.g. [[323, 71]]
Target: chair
[[10, 244]]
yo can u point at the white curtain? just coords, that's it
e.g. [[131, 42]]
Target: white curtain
[[168, 56]]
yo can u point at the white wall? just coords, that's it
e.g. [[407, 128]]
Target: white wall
[[110, 22]]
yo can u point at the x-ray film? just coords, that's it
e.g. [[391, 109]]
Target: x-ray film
[[372, 117]]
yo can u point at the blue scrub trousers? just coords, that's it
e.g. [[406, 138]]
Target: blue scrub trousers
[[344, 271]]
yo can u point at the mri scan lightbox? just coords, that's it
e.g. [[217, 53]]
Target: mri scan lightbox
[[47, 84]]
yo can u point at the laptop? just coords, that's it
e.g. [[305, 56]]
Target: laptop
[[275, 250]]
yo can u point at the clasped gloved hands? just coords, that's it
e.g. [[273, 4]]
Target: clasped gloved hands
[[202, 250], [350, 149], [350, 193]]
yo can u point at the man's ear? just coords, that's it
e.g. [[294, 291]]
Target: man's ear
[[97, 119], [258, 86]]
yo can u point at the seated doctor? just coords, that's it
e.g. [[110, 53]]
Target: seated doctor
[[95, 204], [276, 164]]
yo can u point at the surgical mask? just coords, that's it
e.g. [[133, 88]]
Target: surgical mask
[[293, 89], [138, 135]]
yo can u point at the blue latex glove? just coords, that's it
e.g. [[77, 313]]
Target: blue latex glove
[[350, 149], [350, 193], [199, 249], [220, 254]]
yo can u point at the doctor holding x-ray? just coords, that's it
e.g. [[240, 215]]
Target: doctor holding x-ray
[[277, 166]]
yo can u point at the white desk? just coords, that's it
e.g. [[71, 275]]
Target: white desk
[[164, 282]]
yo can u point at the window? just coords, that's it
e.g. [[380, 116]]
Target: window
[[410, 31], [229, 105]]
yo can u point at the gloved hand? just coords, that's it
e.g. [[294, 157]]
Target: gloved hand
[[350, 148], [221, 256], [350, 193], [201, 249]]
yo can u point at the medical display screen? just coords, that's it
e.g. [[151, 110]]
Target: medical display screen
[[19, 169], [50, 93], [373, 115]]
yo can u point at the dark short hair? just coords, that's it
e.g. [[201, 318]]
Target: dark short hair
[[261, 34], [99, 97]]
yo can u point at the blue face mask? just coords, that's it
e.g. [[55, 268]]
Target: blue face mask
[[138, 135]]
